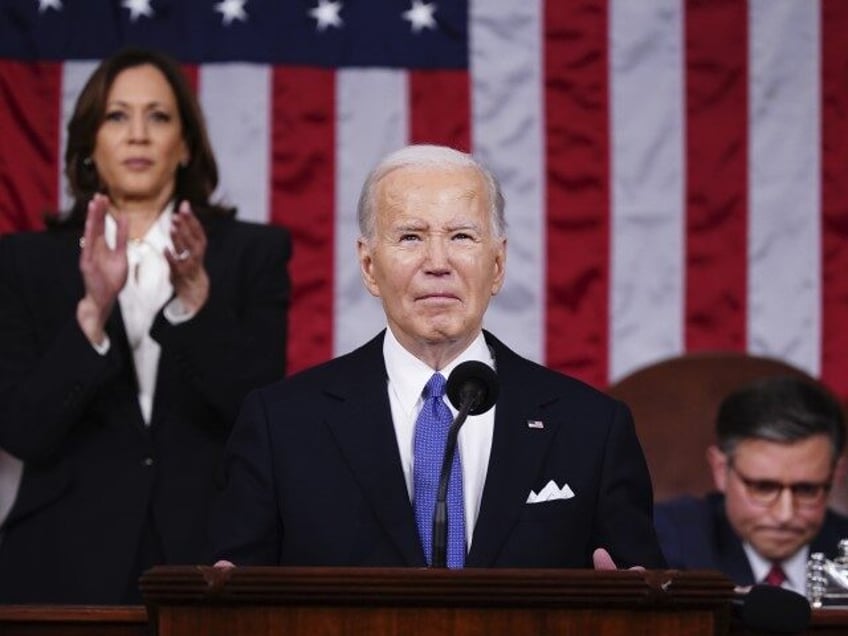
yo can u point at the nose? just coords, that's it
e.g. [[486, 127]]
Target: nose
[[783, 508], [138, 128], [437, 254]]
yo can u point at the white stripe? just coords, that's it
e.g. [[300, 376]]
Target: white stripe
[[508, 136], [648, 183], [236, 99], [372, 120], [784, 318], [74, 77]]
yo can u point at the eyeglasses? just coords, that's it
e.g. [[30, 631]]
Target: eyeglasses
[[765, 491]]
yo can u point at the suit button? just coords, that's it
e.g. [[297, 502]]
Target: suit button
[[147, 461]]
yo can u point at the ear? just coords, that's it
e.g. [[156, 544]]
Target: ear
[[718, 465], [840, 469], [499, 265], [366, 267]]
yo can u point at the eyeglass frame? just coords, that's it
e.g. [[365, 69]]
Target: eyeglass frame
[[822, 489]]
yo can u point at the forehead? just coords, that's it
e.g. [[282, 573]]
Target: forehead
[[416, 189], [144, 83], [808, 459]]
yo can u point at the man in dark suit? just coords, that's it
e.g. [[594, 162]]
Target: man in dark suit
[[324, 467], [779, 451]]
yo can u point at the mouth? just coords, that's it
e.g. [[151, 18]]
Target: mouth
[[437, 298], [137, 163]]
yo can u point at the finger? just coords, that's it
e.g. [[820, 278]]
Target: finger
[[123, 234], [602, 560], [193, 227]]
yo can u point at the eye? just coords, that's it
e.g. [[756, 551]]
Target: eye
[[115, 115], [160, 116], [409, 237], [807, 491], [765, 488]]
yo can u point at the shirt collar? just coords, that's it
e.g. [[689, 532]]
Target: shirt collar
[[158, 236], [795, 567], [408, 375]]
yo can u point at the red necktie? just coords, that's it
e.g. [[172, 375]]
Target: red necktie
[[776, 575]]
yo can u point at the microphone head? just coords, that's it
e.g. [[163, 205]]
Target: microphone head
[[774, 609], [475, 381]]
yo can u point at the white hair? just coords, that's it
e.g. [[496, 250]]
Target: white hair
[[423, 155]]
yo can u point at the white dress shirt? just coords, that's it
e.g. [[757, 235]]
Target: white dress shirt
[[795, 568], [148, 287], [407, 377]]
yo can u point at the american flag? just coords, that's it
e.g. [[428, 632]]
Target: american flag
[[676, 171]]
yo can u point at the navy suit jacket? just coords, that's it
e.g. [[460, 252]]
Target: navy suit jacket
[[695, 534], [315, 477], [94, 474]]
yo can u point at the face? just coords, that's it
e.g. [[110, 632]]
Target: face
[[777, 530], [140, 144], [434, 260]]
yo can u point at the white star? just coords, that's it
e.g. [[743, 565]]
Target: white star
[[231, 10], [138, 8], [43, 5], [327, 14], [420, 15]]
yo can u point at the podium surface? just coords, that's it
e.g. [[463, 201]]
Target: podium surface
[[422, 602]]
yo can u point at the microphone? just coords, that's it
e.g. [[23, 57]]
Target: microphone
[[773, 609], [472, 388]]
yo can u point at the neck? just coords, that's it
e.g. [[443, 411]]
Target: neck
[[141, 215]]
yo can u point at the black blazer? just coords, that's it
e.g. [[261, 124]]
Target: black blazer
[[696, 534], [93, 471], [315, 478]]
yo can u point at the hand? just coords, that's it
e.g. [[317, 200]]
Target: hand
[[602, 560], [103, 269], [224, 564], [188, 273]]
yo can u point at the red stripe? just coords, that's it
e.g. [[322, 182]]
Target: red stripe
[[303, 199], [578, 225], [716, 172], [834, 133], [440, 108], [192, 74], [29, 149]]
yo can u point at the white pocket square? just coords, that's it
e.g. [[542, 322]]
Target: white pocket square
[[550, 492]]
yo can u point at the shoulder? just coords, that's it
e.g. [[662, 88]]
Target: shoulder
[[515, 370], [360, 370], [247, 231], [684, 510], [38, 250]]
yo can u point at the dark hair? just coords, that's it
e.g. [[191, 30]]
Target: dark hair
[[195, 182], [781, 409]]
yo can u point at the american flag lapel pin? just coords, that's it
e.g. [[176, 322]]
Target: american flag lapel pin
[[535, 424]]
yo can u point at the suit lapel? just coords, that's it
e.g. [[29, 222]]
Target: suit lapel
[[517, 452], [363, 429]]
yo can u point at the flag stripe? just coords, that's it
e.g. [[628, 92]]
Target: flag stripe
[[834, 183], [784, 173], [29, 121], [716, 174], [508, 136], [646, 289], [440, 108], [303, 118], [577, 134], [372, 120]]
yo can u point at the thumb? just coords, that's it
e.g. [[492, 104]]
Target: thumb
[[602, 560]]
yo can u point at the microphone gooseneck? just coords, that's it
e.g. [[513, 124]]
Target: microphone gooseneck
[[472, 388]]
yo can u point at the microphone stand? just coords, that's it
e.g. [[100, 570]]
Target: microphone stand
[[440, 514]]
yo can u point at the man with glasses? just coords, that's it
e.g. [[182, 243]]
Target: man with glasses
[[779, 450]]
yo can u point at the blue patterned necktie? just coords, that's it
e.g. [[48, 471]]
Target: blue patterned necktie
[[431, 433]]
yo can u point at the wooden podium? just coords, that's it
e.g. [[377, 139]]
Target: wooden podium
[[422, 602]]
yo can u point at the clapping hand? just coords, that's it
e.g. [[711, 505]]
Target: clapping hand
[[104, 269], [188, 273]]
